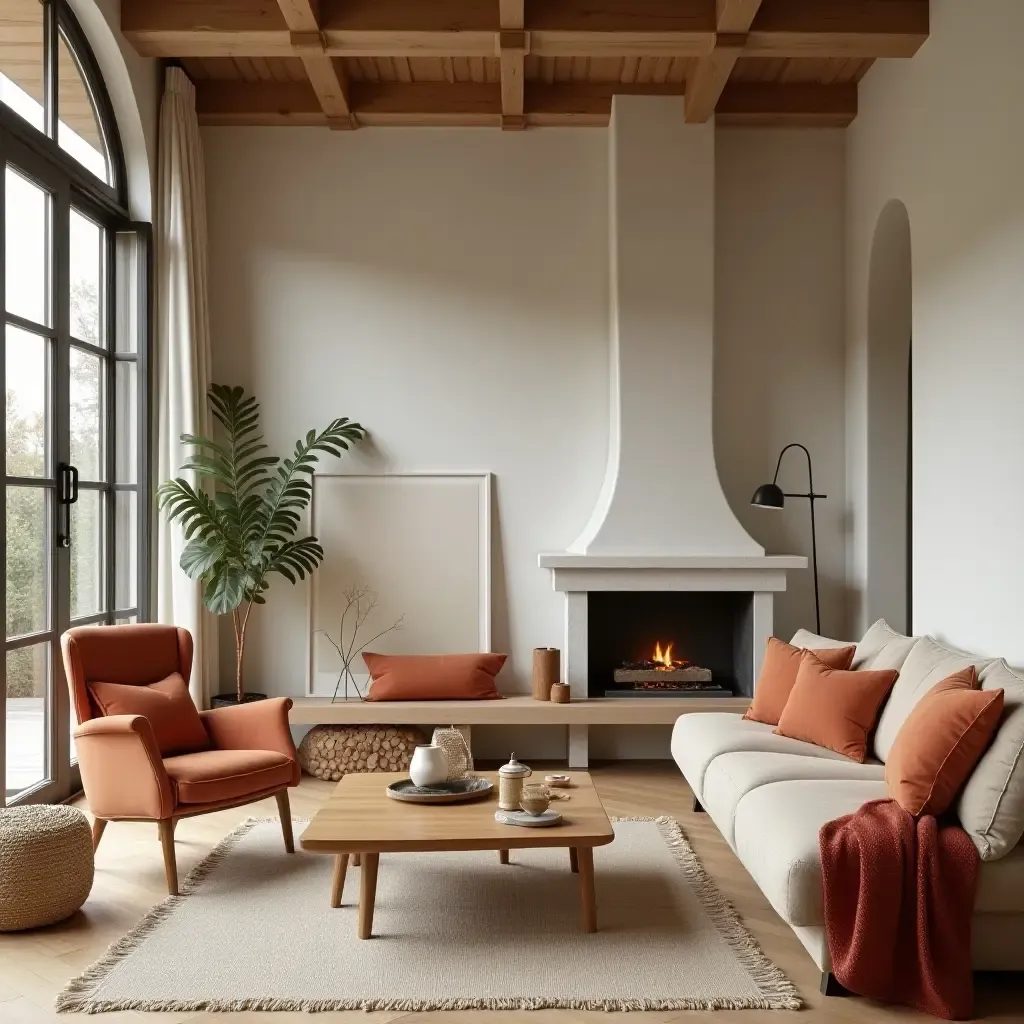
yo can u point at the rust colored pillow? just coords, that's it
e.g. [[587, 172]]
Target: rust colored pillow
[[168, 706], [834, 708], [778, 677], [941, 741], [433, 676]]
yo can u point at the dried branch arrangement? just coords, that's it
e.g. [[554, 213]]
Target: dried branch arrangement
[[360, 600]]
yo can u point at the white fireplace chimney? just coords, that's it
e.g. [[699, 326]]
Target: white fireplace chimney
[[661, 493]]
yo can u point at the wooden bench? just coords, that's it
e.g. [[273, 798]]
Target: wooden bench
[[577, 715]]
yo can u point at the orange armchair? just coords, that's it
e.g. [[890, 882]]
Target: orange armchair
[[238, 754]]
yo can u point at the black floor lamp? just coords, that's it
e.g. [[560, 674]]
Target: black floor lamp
[[772, 496]]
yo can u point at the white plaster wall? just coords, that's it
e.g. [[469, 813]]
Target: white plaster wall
[[449, 288], [779, 348], [942, 133]]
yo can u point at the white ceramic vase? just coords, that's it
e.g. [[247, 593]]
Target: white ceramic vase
[[429, 766]]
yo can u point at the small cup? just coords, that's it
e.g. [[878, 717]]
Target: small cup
[[534, 800]]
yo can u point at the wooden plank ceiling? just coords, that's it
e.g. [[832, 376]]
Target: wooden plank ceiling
[[517, 63]]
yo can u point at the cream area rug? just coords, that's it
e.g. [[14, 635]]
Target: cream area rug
[[253, 930]]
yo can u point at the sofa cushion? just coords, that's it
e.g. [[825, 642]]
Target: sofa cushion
[[166, 704], [941, 741], [927, 663], [776, 837], [698, 738], [991, 806], [778, 677], [215, 776], [882, 647], [731, 776], [814, 642], [835, 708]]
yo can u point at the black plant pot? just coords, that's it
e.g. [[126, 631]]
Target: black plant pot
[[229, 700]]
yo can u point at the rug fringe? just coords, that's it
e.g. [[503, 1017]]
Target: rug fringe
[[76, 995], [777, 991]]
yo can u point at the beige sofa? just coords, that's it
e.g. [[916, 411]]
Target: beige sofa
[[769, 795]]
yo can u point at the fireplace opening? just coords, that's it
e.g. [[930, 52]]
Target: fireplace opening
[[670, 644]]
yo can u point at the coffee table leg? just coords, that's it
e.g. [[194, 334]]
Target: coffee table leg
[[367, 893], [574, 864], [503, 856], [355, 860], [338, 878], [588, 898]]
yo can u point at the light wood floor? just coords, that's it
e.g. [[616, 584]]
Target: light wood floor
[[34, 966]]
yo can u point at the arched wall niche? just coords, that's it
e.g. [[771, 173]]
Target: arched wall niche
[[889, 438], [133, 84]]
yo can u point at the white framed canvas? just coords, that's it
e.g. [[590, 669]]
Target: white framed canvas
[[422, 543]]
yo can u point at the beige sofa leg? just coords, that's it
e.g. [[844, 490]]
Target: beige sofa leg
[[831, 987], [166, 826], [284, 811], [98, 825], [697, 808]]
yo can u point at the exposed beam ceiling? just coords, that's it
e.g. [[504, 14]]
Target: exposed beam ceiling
[[325, 75], [714, 43], [474, 104]]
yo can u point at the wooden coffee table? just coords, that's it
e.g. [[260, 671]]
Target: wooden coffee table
[[360, 821]]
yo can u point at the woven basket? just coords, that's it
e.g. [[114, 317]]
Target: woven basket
[[46, 865], [456, 752]]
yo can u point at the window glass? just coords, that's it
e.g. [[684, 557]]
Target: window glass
[[86, 260], [21, 59], [78, 130], [27, 248], [27, 409]]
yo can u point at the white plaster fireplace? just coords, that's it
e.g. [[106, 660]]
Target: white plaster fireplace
[[661, 522]]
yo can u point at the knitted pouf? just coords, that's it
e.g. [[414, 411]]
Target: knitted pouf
[[331, 751], [46, 865]]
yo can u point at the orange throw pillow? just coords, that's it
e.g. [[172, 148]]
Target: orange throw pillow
[[433, 676], [778, 677], [834, 708], [168, 706], [941, 741]]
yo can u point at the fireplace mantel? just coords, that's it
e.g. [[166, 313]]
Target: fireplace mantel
[[580, 573]]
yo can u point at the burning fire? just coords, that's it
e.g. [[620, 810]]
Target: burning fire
[[663, 658]]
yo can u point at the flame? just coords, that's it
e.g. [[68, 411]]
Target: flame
[[663, 657]]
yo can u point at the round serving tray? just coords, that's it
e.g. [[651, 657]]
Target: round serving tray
[[457, 792]]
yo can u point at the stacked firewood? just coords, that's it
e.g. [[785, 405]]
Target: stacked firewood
[[331, 751]]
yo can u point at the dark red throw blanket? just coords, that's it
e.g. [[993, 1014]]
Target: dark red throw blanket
[[899, 895]]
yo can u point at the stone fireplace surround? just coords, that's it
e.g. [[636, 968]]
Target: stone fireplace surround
[[661, 521]]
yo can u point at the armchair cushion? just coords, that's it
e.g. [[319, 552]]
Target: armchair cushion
[[166, 704], [217, 776]]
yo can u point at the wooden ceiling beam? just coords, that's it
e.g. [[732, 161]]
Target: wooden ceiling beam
[[838, 28], [710, 74], [220, 102], [512, 48], [558, 28], [326, 74], [787, 105]]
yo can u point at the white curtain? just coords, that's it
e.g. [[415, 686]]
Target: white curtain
[[183, 353]]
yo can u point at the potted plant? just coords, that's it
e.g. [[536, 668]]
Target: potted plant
[[245, 531]]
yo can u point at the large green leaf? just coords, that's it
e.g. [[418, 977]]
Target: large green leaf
[[246, 530]]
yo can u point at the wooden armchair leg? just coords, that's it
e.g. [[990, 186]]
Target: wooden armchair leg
[[98, 825], [285, 812], [166, 826]]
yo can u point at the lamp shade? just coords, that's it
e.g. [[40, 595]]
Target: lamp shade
[[769, 496]]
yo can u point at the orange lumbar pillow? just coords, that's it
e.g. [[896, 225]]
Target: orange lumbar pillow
[[778, 677], [176, 723], [834, 708], [941, 741], [433, 676]]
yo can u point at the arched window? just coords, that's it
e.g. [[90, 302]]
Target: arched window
[[73, 290]]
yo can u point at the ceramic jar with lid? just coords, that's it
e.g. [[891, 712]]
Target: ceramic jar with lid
[[510, 784]]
